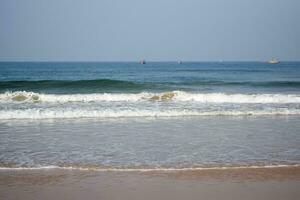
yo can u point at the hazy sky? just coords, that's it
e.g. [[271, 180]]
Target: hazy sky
[[122, 30]]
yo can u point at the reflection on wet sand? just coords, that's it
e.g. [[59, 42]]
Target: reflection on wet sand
[[259, 183]]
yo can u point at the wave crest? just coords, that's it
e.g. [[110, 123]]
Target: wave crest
[[23, 96]]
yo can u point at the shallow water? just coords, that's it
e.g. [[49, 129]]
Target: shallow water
[[151, 142]]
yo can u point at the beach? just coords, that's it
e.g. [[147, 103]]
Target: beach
[[150, 100], [162, 130], [150, 159], [259, 183]]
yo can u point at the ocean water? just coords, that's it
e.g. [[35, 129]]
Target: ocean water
[[158, 115]]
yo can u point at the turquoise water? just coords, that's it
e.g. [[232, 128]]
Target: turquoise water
[[68, 77], [157, 115]]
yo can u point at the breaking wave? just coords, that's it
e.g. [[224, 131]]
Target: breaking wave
[[22, 96], [30, 105]]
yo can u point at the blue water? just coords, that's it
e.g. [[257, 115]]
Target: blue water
[[89, 77], [101, 90]]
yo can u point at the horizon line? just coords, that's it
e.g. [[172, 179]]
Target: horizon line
[[149, 61]]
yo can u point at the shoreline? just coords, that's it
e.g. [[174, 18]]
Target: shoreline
[[258, 183], [146, 169], [231, 173]]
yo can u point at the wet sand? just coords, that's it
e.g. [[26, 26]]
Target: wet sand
[[260, 183]]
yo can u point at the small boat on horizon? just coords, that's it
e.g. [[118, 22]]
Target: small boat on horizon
[[273, 61], [143, 62]]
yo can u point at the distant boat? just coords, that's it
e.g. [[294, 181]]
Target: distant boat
[[273, 61], [179, 62], [143, 62]]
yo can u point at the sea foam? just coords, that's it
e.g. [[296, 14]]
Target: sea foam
[[51, 113], [23, 96], [30, 105]]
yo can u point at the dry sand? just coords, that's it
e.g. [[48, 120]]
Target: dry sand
[[262, 183]]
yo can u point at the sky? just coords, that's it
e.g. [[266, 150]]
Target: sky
[[158, 30]]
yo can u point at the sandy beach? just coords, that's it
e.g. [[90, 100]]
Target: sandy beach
[[260, 183]]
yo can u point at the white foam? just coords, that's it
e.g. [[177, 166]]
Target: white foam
[[237, 98], [29, 105], [158, 169], [65, 98], [23, 96], [109, 113]]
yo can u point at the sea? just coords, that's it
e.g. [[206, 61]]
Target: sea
[[153, 116]]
